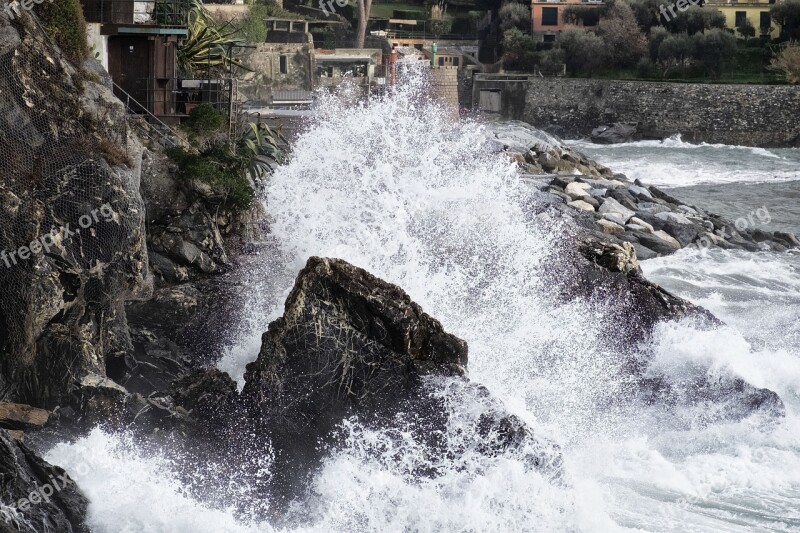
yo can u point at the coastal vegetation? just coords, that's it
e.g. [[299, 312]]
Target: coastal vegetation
[[228, 169], [66, 25], [787, 61], [626, 39], [210, 46]]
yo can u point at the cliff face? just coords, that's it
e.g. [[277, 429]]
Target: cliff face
[[72, 237]]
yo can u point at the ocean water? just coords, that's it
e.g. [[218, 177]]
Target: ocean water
[[397, 188], [733, 181]]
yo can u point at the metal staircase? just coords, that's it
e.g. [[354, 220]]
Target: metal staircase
[[147, 124]]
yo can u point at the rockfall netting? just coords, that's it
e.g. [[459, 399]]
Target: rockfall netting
[[71, 219]]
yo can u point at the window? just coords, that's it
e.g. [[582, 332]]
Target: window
[[284, 66], [741, 17], [549, 16], [441, 61], [455, 61], [765, 21], [550, 38]]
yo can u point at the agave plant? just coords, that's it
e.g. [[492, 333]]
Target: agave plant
[[263, 146], [209, 47]]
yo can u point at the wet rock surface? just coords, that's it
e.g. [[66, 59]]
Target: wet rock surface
[[653, 222], [614, 134], [350, 344], [614, 208], [36, 496]]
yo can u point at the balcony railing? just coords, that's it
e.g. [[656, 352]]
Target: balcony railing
[[173, 97], [166, 13]]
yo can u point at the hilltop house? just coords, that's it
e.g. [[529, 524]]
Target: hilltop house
[[547, 16], [755, 11]]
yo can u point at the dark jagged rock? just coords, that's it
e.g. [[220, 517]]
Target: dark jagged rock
[[190, 238], [352, 344], [36, 496], [205, 394], [611, 272], [615, 134]]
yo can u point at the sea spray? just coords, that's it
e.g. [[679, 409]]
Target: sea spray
[[396, 187]]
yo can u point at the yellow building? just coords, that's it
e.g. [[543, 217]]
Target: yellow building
[[756, 11]]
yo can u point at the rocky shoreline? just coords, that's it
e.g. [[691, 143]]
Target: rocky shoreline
[[609, 206], [122, 326]]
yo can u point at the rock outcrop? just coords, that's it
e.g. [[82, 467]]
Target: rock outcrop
[[189, 237], [654, 222], [350, 344], [538, 152], [615, 134], [616, 210], [72, 229], [607, 272], [36, 496]]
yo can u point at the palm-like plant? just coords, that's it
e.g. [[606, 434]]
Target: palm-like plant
[[209, 47], [262, 145]]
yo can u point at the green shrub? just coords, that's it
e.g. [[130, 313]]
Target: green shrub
[[204, 121], [223, 171], [715, 48], [64, 22], [787, 15]]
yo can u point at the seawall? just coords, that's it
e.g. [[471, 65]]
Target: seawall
[[753, 115]]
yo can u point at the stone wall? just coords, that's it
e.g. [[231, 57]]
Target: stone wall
[[265, 59], [444, 86], [754, 115]]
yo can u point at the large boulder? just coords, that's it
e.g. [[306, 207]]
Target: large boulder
[[350, 344], [617, 133], [607, 270], [36, 496]]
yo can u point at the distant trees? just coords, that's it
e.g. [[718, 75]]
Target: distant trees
[[677, 49], [696, 19], [625, 42], [579, 15], [646, 13], [715, 48], [513, 15], [657, 35], [787, 14], [519, 51], [747, 29], [584, 52], [630, 39], [787, 61]]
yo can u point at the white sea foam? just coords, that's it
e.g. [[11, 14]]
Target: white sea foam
[[397, 188], [681, 164]]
